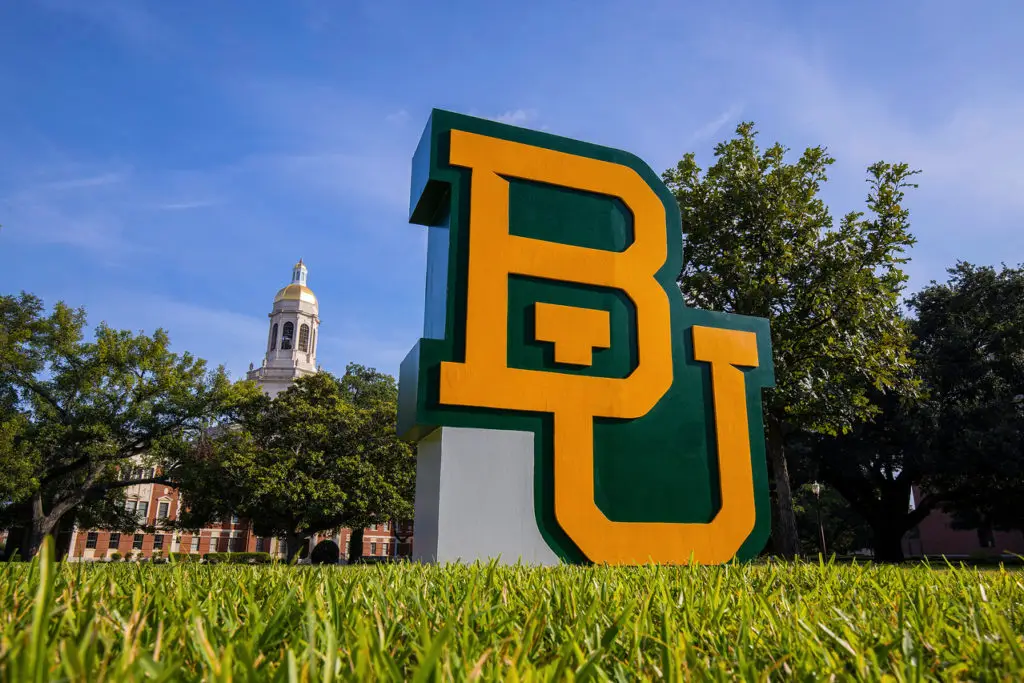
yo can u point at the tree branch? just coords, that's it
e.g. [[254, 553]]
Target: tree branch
[[65, 469], [110, 486]]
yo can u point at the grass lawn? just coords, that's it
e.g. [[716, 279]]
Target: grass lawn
[[132, 622]]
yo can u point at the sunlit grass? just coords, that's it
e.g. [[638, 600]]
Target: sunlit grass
[[130, 622]]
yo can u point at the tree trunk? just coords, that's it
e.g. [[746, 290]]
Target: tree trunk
[[355, 545], [888, 542], [293, 544], [41, 526], [785, 539]]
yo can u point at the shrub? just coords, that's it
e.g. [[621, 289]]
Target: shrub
[[115, 556], [325, 552], [185, 557], [237, 558]]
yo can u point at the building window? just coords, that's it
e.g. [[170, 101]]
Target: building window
[[373, 548], [273, 337], [90, 540], [238, 543], [234, 519], [137, 542], [142, 510], [287, 333], [195, 543], [162, 510], [149, 473], [158, 542], [304, 338], [384, 548], [115, 540], [131, 505], [259, 545]]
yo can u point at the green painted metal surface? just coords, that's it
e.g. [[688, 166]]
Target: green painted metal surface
[[658, 468]]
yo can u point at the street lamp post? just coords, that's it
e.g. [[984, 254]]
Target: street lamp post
[[816, 489]]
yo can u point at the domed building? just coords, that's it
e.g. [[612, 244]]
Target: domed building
[[294, 322], [291, 338]]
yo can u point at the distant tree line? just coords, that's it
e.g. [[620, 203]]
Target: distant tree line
[[77, 416]]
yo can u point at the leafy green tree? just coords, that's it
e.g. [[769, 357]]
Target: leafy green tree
[[759, 241], [961, 439], [323, 454], [77, 412], [971, 332]]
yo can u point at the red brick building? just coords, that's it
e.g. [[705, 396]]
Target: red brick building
[[935, 536], [157, 504]]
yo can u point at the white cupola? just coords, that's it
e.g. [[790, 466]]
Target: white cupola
[[291, 339]]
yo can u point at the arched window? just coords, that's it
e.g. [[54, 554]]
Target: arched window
[[304, 338], [287, 334], [273, 337]]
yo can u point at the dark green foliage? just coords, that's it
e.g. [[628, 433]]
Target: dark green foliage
[[971, 332], [759, 241], [237, 558], [323, 454], [325, 552], [960, 438], [73, 413]]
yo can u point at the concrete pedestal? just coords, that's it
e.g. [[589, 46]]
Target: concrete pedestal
[[474, 498]]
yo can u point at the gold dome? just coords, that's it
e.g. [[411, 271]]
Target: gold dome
[[295, 292]]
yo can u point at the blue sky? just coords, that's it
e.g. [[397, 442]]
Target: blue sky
[[164, 164]]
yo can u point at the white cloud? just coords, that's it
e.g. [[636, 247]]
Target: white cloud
[[108, 178], [712, 127], [186, 205], [517, 117], [337, 176], [399, 118], [218, 335], [970, 153], [130, 22]]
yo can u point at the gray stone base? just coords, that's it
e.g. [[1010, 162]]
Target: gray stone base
[[474, 498]]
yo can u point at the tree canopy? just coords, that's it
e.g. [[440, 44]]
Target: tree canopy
[[758, 240], [322, 454], [74, 413], [959, 439], [971, 338]]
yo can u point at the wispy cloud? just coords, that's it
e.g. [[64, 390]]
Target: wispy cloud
[[130, 22], [712, 127], [78, 212], [517, 117], [108, 178], [972, 151], [220, 336], [399, 118], [185, 206]]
